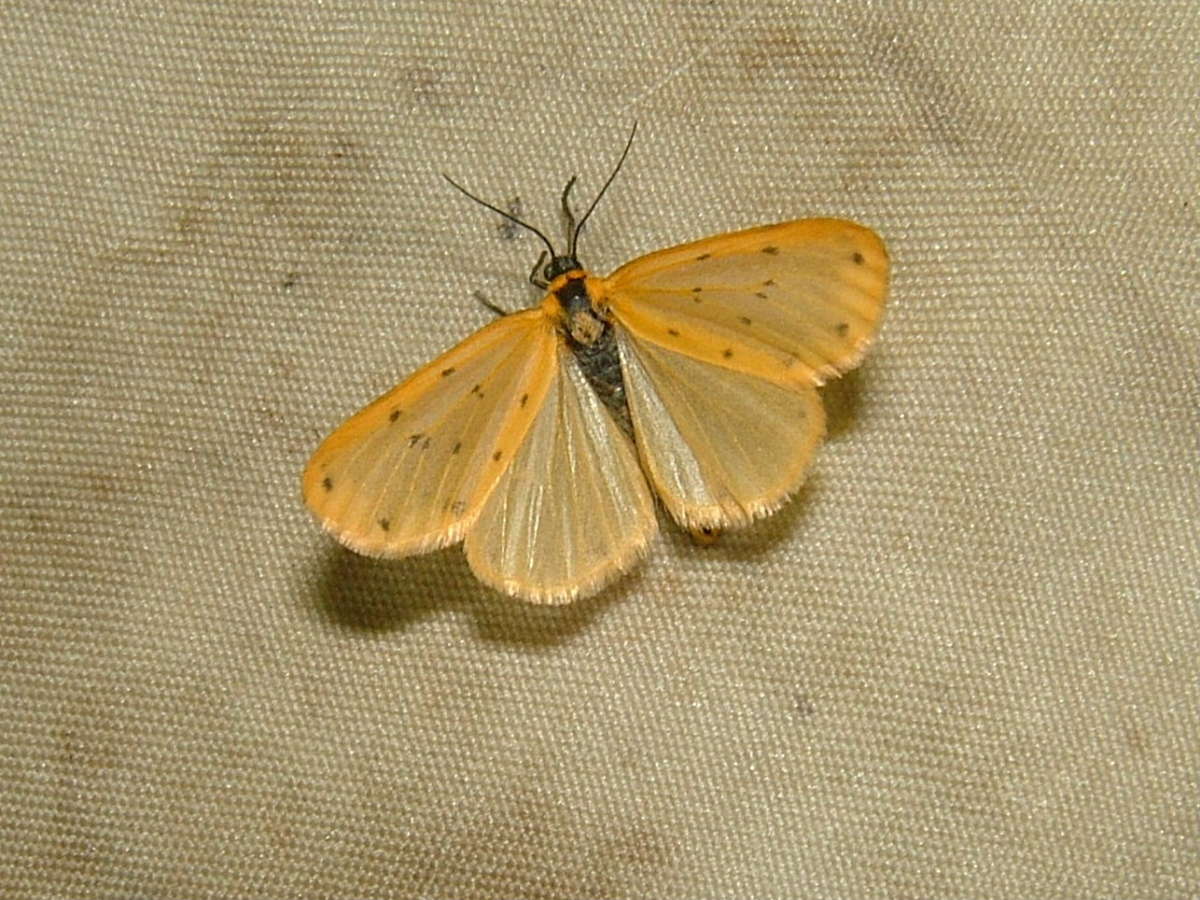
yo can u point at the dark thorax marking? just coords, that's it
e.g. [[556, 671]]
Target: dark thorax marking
[[591, 338]]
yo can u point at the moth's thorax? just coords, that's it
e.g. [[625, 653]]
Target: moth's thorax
[[572, 300], [575, 301]]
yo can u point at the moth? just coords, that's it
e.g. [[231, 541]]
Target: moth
[[542, 440]]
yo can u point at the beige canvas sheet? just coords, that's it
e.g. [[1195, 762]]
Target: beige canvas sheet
[[962, 663]]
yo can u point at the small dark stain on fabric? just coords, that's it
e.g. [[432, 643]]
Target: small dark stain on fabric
[[341, 149], [1136, 738], [508, 229], [788, 52], [632, 854], [426, 85]]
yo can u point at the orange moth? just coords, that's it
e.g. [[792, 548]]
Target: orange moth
[[541, 440]]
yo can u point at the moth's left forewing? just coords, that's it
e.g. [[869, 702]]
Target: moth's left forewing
[[795, 303]]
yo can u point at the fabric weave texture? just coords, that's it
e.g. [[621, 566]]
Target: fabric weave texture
[[962, 662]]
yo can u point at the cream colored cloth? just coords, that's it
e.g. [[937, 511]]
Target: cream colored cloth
[[962, 663]]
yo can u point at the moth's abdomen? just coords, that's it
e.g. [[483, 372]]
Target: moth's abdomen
[[600, 363]]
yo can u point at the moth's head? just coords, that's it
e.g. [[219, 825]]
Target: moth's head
[[559, 265]]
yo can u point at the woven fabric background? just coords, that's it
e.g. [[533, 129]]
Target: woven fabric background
[[963, 662]]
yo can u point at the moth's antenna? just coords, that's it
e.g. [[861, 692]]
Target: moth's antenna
[[568, 216], [509, 216], [579, 227]]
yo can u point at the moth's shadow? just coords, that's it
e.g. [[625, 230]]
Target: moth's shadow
[[371, 595], [842, 398]]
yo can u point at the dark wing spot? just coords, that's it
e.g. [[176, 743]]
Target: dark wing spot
[[842, 328], [496, 456], [478, 391], [770, 250], [727, 353], [395, 414], [447, 372], [425, 444], [524, 400], [457, 446], [745, 320], [327, 483], [703, 256], [384, 524], [413, 439], [770, 282], [858, 258], [697, 290], [672, 332], [760, 295], [458, 507]]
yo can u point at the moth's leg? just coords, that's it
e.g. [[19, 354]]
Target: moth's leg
[[488, 304], [533, 273]]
